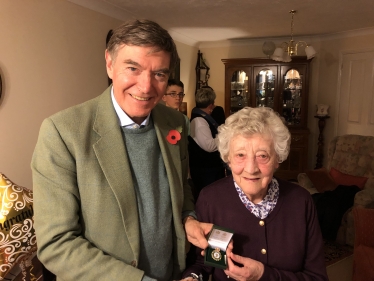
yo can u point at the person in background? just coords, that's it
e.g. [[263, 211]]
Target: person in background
[[174, 97], [275, 224], [111, 197], [205, 163], [218, 114], [174, 94]]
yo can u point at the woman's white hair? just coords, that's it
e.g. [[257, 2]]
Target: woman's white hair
[[249, 121]]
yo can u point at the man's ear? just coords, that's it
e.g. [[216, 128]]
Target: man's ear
[[164, 98], [109, 64]]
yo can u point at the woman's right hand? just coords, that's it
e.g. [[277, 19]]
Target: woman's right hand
[[250, 270]]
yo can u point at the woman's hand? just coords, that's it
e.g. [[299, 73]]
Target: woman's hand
[[251, 270]]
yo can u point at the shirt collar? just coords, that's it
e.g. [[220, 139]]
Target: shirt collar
[[264, 208], [124, 119]]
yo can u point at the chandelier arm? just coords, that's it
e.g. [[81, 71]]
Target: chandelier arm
[[284, 46], [290, 48], [301, 43]]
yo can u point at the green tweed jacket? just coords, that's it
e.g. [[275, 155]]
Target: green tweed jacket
[[86, 217]]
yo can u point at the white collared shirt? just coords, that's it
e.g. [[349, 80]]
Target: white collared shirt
[[201, 134], [124, 119]]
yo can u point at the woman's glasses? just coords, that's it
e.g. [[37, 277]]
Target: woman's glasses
[[174, 95]]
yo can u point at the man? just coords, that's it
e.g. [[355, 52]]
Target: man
[[174, 94], [174, 97], [110, 182], [206, 165]]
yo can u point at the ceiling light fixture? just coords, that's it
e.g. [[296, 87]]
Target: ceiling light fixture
[[289, 49]]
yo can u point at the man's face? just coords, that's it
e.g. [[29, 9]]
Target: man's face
[[139, 77], [171, 101]]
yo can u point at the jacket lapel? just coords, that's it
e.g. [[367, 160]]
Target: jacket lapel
[[111, 154], [171, 156]]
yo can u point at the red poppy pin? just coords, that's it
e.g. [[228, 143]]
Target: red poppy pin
[[173, 137]]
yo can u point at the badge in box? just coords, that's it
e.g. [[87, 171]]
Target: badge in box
[[218, 240]]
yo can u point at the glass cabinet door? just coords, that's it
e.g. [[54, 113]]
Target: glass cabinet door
[[239, 90], [292, 97], [265, 84]]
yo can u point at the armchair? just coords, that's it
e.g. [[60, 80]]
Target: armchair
[[352, 160], [363, 251]]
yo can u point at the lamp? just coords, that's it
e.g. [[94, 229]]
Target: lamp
[[289, 49]]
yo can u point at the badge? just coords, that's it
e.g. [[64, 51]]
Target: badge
[[216, 255]]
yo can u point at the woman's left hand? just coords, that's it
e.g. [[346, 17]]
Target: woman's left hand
[[251, 270]]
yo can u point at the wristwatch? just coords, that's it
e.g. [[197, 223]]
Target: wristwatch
[[197, 277]]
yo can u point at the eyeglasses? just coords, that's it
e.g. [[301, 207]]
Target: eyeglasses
[[174, 95]]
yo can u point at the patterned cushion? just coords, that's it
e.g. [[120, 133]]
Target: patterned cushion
[[352, 155], [321, 180], [17, 234], [345, 179], [305, 182]]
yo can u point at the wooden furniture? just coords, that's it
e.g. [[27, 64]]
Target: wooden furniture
[[321, 126], [282, 86]]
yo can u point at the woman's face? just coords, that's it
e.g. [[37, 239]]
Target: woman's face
[[253, 161]]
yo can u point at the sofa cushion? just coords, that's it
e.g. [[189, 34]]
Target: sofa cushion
[[321, 179], [345, 179], [305, 182]]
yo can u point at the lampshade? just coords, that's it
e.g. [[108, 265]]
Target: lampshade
[[278, 54], [286, 57], [310, 52]]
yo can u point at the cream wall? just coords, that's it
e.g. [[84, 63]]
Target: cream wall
[[329, 60], [52, 57], [188, 56]]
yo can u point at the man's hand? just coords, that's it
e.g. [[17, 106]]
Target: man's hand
[[196, 232]]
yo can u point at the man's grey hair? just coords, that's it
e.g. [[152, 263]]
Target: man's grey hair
[[143, 33]]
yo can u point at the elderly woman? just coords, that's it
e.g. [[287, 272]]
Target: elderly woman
[[206, 165], [276, 231]]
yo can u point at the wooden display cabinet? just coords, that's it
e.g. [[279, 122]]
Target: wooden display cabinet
[[283, 86]]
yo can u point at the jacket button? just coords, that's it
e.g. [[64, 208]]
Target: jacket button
[[133, 263], [262, 223], [263, 251]]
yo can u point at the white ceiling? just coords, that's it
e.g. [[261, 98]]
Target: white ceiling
[[196, 21]]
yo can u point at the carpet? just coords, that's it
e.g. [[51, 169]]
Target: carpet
[[335, 252]]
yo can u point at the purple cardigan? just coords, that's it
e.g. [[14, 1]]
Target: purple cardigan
[[290, 234]]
